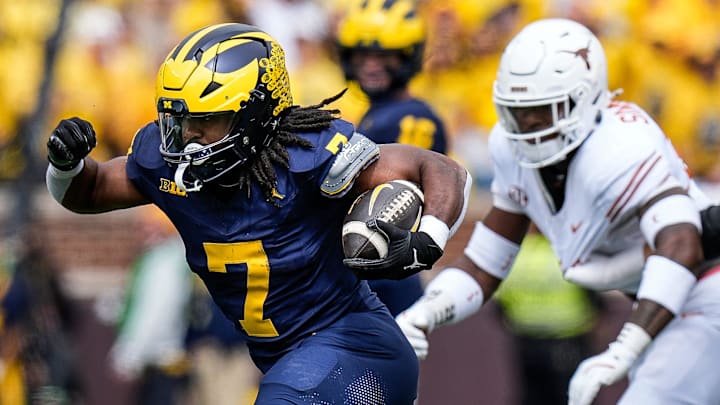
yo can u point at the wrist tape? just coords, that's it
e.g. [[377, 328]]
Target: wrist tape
[[666, 282], [491, 252], [437, 229], [58, 181]]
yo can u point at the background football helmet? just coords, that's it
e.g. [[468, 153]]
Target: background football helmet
[[221, 69], [385, 26], [557, 63]]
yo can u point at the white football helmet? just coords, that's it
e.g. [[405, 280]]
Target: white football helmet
[[556, 63]]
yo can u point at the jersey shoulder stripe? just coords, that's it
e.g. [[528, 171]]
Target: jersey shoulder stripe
[[639, 176]]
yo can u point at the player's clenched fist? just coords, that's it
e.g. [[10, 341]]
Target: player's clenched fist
[[408, 253], [70, 141]]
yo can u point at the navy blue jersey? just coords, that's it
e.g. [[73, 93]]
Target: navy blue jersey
[[275, 271], [15, 303], [410, 122]]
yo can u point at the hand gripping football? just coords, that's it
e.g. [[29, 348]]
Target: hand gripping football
[[398, 202]]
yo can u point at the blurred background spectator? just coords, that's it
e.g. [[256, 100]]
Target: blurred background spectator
[[171, 338], [550, 319], [149, 350], [69, 57], [37, 357], [382, 68]]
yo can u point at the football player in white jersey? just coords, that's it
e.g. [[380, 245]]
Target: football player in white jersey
[[602, 182]]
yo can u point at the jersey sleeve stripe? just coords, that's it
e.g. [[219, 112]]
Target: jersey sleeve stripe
[[634, 176], [638, 177]]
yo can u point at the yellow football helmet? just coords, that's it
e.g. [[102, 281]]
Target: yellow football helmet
[[223, 69], [385, 26]]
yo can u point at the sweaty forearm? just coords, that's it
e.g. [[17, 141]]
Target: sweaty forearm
[[73, 189], [80, 194], [441, 198]]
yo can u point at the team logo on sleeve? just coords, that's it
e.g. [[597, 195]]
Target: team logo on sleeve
[[277, 195]]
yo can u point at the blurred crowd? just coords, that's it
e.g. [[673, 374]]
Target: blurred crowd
[[663, 54]]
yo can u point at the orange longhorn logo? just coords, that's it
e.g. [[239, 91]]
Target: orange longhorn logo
[[582, 53]]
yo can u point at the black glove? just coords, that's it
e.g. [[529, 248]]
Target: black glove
[[408, 253], [710, 218], [70, 141]]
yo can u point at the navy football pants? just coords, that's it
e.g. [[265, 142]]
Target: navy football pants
[[362, 359]]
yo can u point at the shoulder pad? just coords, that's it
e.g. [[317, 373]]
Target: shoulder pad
[[356, 154], [144, 149], [326, 145]]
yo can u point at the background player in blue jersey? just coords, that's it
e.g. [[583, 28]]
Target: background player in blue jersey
[[380, 46], [258, 188]]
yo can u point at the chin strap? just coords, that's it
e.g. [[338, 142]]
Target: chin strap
[[180, 183]]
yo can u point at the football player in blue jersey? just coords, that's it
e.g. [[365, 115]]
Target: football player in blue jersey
[[380, 47], [258, 189]]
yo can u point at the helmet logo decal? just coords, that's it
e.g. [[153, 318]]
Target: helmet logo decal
[[217, 72], [276, 78], [582, 53]]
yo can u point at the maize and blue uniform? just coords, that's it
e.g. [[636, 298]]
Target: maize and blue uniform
[[313, 328], [411, 122]]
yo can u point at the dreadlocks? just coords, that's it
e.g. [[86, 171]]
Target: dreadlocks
[[312, 118]]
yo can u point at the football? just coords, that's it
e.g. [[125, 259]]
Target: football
[[398, 202]]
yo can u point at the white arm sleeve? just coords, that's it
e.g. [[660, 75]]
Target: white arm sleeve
[[671, 210], [58, 181], [622, 271]]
